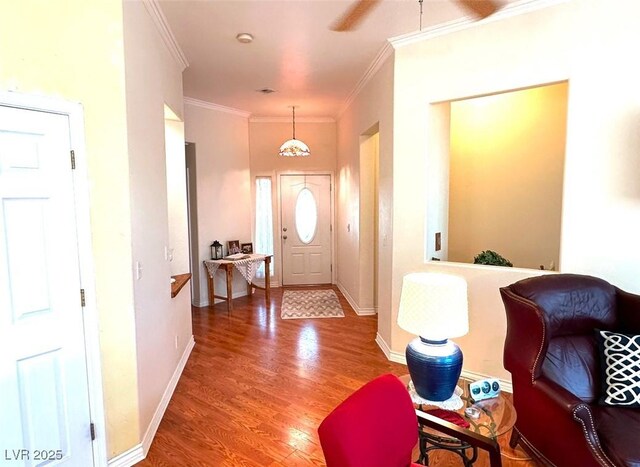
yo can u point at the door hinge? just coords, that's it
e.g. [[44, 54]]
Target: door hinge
[[92, 430], [82, 301], [330, 227], [73, 160], [331, 266]]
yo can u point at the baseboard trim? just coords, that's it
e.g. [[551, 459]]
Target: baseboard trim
[[398, 357], [366, 312], [128, 458], [359, 311], [166, 398], [242, 293], [238, 294], [391, 355], [273, 284], [386, 350]]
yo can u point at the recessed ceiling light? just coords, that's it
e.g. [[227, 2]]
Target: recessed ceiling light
[[244, 37]]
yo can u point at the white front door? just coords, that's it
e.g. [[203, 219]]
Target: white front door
[[44, 398], [306, 229]]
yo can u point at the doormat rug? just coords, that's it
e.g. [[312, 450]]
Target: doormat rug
[[298, 304]]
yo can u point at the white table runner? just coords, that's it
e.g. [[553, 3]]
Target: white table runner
[[247, 267]]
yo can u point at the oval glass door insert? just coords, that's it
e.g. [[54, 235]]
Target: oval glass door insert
[[306, 215]]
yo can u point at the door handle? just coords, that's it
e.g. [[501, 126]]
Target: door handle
[[284, 229], [284, 237]]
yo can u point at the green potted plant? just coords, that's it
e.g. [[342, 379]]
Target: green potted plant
[[492, 258]]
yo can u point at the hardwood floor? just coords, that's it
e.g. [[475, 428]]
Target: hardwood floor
[[256, 387]]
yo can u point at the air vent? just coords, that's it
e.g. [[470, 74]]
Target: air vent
[[266, 90]]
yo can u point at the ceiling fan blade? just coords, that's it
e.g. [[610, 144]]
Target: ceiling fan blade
[[354, 15], [480, 8]]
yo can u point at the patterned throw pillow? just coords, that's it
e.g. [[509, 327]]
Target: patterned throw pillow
[[620, 364]]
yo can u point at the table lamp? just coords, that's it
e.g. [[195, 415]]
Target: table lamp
[[434, 307]]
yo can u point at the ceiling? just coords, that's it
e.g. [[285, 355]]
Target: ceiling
[[293, 52]]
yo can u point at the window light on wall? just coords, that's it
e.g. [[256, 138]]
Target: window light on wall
[[264, 221]]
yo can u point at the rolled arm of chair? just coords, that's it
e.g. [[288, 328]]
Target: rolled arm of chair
[[579, 412], [629, 310], [559, 396], [582, 414]]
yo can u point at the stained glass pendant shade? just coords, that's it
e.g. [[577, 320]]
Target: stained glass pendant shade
[[294, 147]]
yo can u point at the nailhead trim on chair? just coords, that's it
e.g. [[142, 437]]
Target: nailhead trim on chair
[[544, 333], [598, 451]]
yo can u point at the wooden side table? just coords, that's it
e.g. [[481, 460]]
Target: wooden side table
[[249, 266]]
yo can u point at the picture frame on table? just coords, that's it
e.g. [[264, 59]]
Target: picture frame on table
[[233, 247], [247, 248]]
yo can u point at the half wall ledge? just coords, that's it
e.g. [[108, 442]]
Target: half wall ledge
[[180, 281]]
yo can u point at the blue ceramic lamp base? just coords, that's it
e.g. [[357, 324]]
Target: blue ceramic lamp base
[[434, 367]]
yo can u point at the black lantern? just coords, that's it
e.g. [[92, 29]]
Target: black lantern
[[216, 250]]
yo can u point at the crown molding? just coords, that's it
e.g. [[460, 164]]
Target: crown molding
[[385, 52], [216, 107], [160, 21], [513, 9], [288, 120]]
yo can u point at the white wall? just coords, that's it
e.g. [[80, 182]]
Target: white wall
[[373, 105], [223, 185], [74, 51], [177, 196], [160, 320], [586, 42], [265, 139]]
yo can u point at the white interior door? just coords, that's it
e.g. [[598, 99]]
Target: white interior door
[[306, 229], [44, 399]]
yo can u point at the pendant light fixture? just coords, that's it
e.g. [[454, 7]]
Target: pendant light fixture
[[294, 147]]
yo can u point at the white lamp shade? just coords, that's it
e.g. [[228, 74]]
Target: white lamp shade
[[434, 306], [294, 148]]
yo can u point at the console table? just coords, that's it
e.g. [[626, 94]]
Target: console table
[[247, 267]]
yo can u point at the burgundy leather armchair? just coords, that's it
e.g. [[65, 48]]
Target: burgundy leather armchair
[[552, 354]]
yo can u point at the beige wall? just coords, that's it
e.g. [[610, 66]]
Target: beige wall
[[265, 139], [506, 172], [160, 320], [601, 198], [368, 220], [223, 185], [373, 106], [73, 50]]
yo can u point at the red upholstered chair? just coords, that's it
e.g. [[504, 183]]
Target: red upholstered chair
[[375, 426], [552, 355]]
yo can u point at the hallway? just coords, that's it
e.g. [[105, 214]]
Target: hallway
[[256, 387]]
